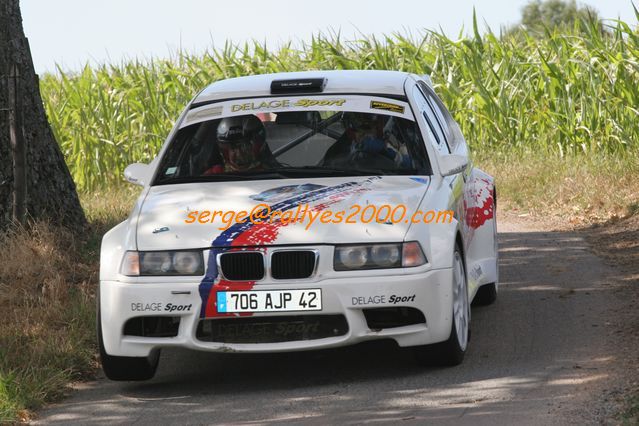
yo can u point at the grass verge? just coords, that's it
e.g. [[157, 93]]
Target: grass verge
[[571, 191], [47, 299]]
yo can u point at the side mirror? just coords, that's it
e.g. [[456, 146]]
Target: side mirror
[[137, 173], [452, 164]]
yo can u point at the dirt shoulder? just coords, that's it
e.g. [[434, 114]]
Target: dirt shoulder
[[616, 243]]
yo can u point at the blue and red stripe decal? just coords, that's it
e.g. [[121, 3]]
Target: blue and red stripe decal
[[248, 234]]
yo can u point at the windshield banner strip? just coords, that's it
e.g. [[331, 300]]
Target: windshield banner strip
[[354, 103]]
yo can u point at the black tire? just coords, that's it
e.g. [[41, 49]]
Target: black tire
[[486, 295], [450, 352], [126, 368], [444, 354]]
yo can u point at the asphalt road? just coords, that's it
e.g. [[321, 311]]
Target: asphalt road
[[546, 353]]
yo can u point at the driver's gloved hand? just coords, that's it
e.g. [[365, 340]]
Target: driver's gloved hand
[[372, 145]]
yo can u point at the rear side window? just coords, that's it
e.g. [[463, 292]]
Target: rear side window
[[435, 130], [443, 116], [440, 115]]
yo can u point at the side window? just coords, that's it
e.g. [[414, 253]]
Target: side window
[[443, 115], [435, 131]]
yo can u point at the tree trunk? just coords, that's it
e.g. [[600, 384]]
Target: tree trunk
[[48, 190]]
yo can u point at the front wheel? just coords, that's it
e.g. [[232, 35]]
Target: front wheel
[[126, 368], [452, 351]]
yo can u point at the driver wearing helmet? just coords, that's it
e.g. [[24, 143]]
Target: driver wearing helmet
[[242, 143]]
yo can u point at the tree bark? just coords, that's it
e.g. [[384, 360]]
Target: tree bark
[[18, 148], [48, 190]]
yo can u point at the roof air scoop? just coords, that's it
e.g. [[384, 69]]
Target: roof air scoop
[[301, 85]]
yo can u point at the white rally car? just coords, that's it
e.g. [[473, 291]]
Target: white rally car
[[221, 252]]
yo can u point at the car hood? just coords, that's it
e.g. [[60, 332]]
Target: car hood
[[163, 221]]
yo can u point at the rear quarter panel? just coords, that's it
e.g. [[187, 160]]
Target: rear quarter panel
[[479, 229]]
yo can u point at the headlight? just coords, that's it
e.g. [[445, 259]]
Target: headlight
[[187, 262], [378, 256], [154, 263], [386, 256], [352, 257]]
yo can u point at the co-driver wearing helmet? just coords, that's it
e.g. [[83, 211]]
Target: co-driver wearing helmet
[[365, 144]]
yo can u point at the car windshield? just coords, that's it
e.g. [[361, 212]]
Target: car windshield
[[276, 144]]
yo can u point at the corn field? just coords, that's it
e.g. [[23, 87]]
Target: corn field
[[564, 93]]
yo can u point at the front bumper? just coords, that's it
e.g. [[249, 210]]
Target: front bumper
[[432, 290]]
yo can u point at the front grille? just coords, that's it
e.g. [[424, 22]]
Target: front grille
[[271, 329], [152, 327], [239, 266], [289, 264], [379, 318]]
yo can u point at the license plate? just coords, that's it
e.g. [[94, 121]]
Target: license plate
[[269, 301]]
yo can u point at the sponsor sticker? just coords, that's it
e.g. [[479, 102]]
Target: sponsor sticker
[[381, 300], [286, 103], [159, 307], [387, 106], [476, 272]]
